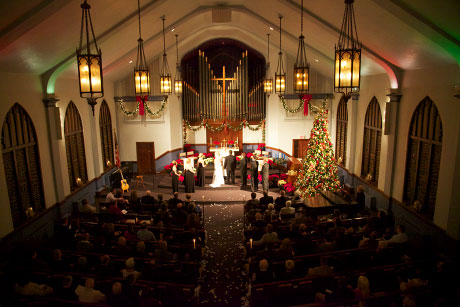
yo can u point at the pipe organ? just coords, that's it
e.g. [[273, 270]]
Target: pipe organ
[[236, 96]]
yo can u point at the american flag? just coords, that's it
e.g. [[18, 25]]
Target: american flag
[[117, 153]]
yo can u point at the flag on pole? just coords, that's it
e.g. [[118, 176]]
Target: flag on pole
[[117, 152]]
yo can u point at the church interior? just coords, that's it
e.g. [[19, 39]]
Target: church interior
[[242, 153]]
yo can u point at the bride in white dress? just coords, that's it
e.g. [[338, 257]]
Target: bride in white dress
[[218, 177]]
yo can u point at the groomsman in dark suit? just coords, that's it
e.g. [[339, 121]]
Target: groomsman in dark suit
[[265, 174], [244, 170], [230, 165], [254, 174]]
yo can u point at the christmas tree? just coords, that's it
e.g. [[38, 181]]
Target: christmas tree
[[319, 172]]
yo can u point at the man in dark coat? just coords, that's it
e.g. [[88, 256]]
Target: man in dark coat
[[265, 174], [265, 200], [254, 174], [230, 165], [244, 170]]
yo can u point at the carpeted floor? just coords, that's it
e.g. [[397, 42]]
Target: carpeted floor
[[224, 280]]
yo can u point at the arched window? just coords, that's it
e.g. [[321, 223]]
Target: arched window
[[372, 141], [423, 157], [105, 125], [341, 132], [75, 147], [21, 161]]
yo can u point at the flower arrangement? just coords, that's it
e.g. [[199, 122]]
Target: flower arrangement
[[289, 187], [249, 155], [208, 160], [261, 145], [283, 176], [187, 147], [217, 143], [208, 155], [258, 177], [238, 158], [181, 178], [273, 177], [282, 183], [231, 142]]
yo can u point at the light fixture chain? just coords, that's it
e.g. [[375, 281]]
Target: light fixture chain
[[177, 50], [81, 30], [268, 47], [280, 32], [164, 39], [301, 17], [139, 16], [92, 32]]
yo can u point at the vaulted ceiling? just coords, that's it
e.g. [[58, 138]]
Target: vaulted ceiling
[[39, 36]]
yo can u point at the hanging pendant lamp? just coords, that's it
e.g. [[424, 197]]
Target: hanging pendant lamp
[[177, 78], [141, 70], [280, 75], [347, 68], [165, 76], [301, 67], [268, 82], [89, 63]]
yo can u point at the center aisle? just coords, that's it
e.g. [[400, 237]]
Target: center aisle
[[223, 280]]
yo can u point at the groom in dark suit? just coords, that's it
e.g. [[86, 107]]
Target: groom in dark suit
[[230, 165], [254, 174], [244, 170]]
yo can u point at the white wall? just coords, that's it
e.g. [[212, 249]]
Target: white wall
[[67, 90], [26, 90], [438, 84]]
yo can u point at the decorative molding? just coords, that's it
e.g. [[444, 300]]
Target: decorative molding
[[394, 95], [50, 102], [314, 96], [133, 98]]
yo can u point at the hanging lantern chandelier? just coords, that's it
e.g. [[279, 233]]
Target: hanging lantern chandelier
[[268, 82], [280, 75], [347, 69], [141, 70], [177, 77], [165, 76], [89, 64], [301, 67]]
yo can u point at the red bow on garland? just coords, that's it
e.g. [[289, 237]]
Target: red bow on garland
[[141, 100], [306, 99]]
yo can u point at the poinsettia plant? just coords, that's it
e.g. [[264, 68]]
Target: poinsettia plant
[[289, 187], [181, 178], [261, 145], [259, 177], [187, 147], [231, 142], [216, 143]]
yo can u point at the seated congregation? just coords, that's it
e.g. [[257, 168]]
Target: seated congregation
[[297, 257], [148, 255]]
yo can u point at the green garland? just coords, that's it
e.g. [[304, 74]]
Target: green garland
[[146, 106], [222, 126], [122, 107], [157, 112], [194, 128], [291, 110]]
